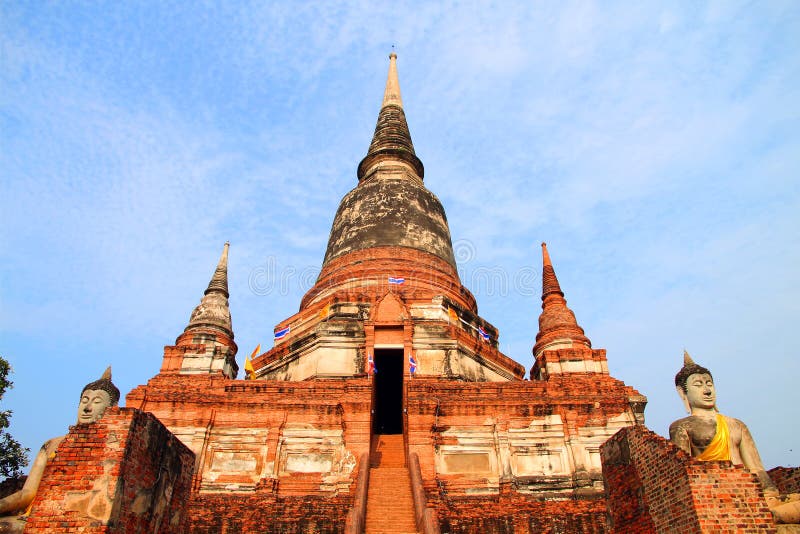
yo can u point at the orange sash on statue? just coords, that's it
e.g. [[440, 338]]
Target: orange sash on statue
[[719, 448]]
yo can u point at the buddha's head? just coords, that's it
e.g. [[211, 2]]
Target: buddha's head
[[96, 397], [695, 385]]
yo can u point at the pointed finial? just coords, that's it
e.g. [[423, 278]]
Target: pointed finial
[[391, 140], [213, 310], [545, 255], [549, 281], [687, 360], [219, 282], [106, 374], [391, 96]]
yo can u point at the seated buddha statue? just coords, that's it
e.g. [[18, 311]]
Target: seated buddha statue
[[95, 398], [708, 435]]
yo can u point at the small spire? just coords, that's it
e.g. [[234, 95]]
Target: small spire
[[687, 360], [550, 283], [106, 374], [219, 282], [213, 311], [391, 96], [557, 323]]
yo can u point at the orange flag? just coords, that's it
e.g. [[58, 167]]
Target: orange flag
[[250, 373], [323, 313]]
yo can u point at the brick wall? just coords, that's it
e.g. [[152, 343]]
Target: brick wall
[[569, 503], [511, 512], [786, 478], [445, 416], [257, 423], [123, 473], [265, 512], [652, 486], [627, 502]]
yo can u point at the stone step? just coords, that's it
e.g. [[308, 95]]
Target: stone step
[[388, 450], [390, 505]]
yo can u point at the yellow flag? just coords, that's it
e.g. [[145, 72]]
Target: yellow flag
[[323, 313], [453, 315], [250, 373]]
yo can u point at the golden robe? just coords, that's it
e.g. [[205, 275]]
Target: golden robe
[[719, 448]]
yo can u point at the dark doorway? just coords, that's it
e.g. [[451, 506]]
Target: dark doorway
[[388, 391]]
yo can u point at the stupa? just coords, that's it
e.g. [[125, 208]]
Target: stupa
[[445, 408], [385, 405]]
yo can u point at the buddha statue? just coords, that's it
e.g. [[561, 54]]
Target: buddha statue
[[95, 398], [708, 435]]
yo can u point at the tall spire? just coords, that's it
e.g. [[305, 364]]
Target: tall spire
[[549, 280], [391, 96], [219, 282], [392, 139], [558, 327], [390, 206], [213, 311]]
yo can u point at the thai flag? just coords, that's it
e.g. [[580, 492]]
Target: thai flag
[[397, 281], [371, 363], [280, 334], [412, 364], [483, 334]]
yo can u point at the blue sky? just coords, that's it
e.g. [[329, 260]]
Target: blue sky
[[655, 148]]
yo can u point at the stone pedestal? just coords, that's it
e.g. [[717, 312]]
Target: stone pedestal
[[652, 486], [123, 473]]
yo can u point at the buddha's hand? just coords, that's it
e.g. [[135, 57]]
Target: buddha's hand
[[773, 497]]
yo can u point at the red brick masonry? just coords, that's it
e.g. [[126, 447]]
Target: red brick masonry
[[652, 486], [786, 478], [123, 473], [521, 514]]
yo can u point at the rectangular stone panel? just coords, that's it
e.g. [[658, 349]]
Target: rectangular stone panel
[[470, 462], [234, 461], [308, 462], [541, 463], [468, 450], [308, 449]]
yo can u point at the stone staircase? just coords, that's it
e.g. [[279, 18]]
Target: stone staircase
[[390, 507]]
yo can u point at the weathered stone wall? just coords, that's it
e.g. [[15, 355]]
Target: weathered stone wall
[[265, 512], [265, 440], [545, 436], [652, 486], [201, 352], [123, 473], [282, 444], [391, 208], [510, 512], [334, 340], [365, 272], [787, 479]]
